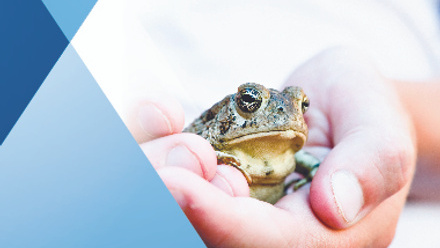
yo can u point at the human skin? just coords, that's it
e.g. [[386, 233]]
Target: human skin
[[422, 99], [358, 122]]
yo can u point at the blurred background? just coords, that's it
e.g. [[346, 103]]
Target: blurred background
[[200, 51]]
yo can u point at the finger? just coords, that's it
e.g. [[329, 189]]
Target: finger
[[185, 150], [224, 221], [231, 181], [373, 153], [148, 119]]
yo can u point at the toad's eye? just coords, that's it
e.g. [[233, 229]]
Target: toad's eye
[[305, 104], [248, 100]]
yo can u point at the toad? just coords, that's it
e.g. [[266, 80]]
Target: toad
[[259, 131]]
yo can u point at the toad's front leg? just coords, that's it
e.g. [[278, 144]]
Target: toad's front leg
[[306, 165]]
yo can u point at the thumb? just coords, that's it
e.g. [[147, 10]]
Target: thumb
[[371, 138]]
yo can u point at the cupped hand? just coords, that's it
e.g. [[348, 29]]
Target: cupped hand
[[356, 123], [156, 125]]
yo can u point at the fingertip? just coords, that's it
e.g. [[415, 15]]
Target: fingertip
[[205, 153], [173, 110], [189, 190], [182, 156], [184, 150], [337, 199], [152, 118], [231, 181]]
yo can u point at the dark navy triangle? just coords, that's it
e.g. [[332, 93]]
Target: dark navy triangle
[[30, 44]]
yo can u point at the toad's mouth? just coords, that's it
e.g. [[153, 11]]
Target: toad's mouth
[[267, 157], [272, 140]]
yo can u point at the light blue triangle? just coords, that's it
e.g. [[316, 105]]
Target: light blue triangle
[[71, 175], [69, 14]]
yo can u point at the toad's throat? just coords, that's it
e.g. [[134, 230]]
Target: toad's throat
[[266, 158]]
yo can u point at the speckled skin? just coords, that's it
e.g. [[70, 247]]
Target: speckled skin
[[257, 130]]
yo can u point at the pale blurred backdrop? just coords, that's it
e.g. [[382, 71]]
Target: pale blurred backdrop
[[199, 51]]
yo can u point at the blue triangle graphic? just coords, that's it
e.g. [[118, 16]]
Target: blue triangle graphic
[[71, 175], [69, 14], [30, 45]]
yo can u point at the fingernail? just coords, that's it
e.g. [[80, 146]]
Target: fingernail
[[182, 157], [348, 194], [222, 183], [153, 121]]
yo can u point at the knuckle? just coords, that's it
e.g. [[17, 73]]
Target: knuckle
[[398, 158]]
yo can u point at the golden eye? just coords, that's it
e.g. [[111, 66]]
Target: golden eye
[[305, 104]]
